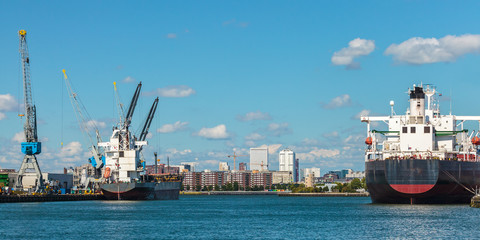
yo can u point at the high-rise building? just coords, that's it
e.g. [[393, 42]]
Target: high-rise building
[[288, 162], [259, 159], [223, 166], [308, 171], [242, 166]]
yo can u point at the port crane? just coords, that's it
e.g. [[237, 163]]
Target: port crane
[[86, 124], [31, 146], [261, 165], [234, 156]]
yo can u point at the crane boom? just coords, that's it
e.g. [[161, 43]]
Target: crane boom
[[235, 159], [148, 121], [30, 127], [86, 124], [31, 146], [133, 104]]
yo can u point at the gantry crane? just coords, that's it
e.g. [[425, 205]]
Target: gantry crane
[[86, 124], [31, 146], [234, 159]]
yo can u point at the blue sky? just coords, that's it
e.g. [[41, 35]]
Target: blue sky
[[233, 75]]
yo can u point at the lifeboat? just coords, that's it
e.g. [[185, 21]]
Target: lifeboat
[[476, 141], [368, 141], [107, 173]]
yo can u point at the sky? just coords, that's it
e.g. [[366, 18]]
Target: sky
[[232, 75]]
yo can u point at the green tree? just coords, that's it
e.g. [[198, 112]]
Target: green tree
[[235, 186], [210, 188], [182, 187], [188, 187], [356, 183], [326, 189], [217, 188], [198, 188]]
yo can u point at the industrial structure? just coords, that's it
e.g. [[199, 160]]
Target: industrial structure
[[234, 156], [31, 147], [86, 124]]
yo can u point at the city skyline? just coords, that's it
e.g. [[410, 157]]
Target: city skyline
[[233, 76]]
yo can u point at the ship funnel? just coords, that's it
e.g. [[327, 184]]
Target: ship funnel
[[417, 105]]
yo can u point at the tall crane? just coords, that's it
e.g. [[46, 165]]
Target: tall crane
[[148, 121], [235, 158], [31, 146], [126, 120], [86, 124]]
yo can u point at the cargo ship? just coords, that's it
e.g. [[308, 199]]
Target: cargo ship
[[123, 175], [423, 157]]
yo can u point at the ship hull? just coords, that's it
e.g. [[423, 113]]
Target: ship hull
[[141, 191], [421, 181]]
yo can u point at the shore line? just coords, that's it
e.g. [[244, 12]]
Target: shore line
[[280, 194], [50, 198]]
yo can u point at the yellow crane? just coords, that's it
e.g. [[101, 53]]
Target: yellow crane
[[261, 165], [235, 158]]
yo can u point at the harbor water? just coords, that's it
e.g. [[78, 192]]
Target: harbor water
[[237, 217]]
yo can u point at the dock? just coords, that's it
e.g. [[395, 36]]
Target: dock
[[50, 197], [283, 194]]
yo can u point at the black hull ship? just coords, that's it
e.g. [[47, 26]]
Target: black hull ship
[[424, 157], [141, 191], [421, 181]]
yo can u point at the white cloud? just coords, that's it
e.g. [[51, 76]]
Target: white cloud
[[175, 127], [7, 102], [172, 35], [316, 154], [177, 91], [217, 132], [254, 136], [356, 48], [333, 134], [173, 151], [19, 137], [310, 141], [419, 50], [94, 123], [71, 152], [128, 79], [362, 113], [254, 116], [278, 129], [338, 102], [149, 135], [272, 148], [249, 143]]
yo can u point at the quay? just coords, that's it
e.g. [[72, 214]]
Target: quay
[[50, 197], [231, 193], [284, 194]]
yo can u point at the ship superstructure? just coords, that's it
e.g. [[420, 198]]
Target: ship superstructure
[[424, 156], [122, 152]]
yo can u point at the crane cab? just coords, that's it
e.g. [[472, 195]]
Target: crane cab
[[30, 148]]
